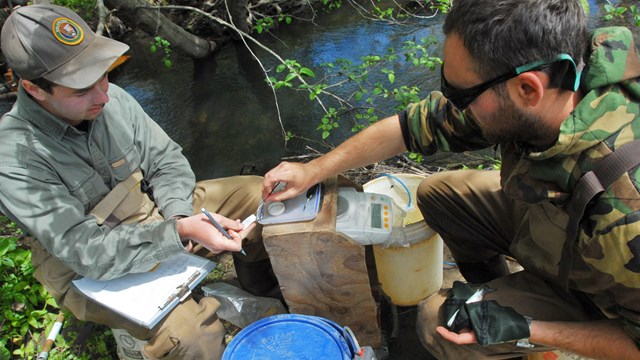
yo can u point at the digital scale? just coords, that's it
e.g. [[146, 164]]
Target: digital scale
[[303, 207], [366, 218]]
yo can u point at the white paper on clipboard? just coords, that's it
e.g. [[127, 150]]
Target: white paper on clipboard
[[294, 209]]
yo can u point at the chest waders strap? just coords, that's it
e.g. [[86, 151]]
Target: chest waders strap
[[105, 210], [591, 184]]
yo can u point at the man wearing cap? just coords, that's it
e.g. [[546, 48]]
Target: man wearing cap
[[102, 188]]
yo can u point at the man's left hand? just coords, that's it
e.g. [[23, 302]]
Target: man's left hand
[[466, 336]]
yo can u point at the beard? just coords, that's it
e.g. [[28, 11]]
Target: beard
[[510, 124]]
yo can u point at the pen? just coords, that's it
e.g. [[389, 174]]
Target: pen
[[273, 189], [220, 228]]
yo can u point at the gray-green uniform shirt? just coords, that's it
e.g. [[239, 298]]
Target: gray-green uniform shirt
[[53, 174]]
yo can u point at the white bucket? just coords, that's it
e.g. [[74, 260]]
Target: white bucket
[[409, 266]]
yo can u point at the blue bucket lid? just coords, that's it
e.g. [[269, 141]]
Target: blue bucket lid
[[289, 336]]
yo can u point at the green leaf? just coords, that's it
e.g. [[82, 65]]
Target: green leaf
[[51, 302], [392, 77], [585, 5], [4, 353], [290, 77], [307, 72], [34, 323], [7, 262], [20, 286]]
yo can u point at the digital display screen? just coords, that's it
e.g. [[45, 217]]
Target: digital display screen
[[376, 216]]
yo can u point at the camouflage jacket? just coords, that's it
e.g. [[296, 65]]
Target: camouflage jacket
[[607, 266]]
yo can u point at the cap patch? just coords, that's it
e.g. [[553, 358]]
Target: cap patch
[[67, 31]]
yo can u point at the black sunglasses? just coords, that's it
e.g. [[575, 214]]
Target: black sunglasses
[[462, 98]]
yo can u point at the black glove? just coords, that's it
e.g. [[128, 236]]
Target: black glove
[[491, 322], [495, 324], [459, 294]]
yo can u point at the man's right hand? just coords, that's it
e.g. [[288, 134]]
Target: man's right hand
[[198, 228], [297, 177], [375, 143]]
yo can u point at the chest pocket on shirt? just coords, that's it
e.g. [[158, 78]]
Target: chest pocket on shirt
[[90, 190], [123, 166]]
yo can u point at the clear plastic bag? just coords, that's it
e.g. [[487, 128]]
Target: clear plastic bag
[[240, 307]]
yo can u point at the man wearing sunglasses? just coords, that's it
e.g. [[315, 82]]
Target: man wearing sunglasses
[[528, 77]]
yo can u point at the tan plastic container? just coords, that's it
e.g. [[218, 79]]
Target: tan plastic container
[[409, 266]]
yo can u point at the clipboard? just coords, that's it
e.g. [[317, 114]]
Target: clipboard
[[303, 207], [146, 298]]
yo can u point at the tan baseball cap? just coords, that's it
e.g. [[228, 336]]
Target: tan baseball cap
[[53, 42]]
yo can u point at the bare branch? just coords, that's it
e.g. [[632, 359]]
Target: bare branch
[[275, 96], [102, 16], [244, 35]]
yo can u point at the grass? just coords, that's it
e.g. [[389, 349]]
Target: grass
[[29, 311]]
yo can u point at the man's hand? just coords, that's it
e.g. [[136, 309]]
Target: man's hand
[[297, 177], [466, 336], [491, 322], [198, 228]]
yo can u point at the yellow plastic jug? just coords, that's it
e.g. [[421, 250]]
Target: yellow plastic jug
[[409, 266]]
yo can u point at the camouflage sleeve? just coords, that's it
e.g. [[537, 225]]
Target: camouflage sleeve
[[614, 58], [433, 124], [612, 253]]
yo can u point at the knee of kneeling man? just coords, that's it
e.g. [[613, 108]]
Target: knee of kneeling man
[[428, 317], [194, 331]]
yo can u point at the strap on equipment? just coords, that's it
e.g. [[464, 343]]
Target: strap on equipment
[[592, 183], [104, 210]]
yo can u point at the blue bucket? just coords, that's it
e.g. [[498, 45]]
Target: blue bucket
[[291, 336]]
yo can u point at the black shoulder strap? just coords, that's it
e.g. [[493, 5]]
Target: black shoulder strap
[[592, 183]]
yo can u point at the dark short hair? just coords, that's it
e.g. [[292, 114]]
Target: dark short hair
[[44, 84], [503, 34]]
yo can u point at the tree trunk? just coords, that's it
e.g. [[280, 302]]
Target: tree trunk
[[239, 13], [137, 15]]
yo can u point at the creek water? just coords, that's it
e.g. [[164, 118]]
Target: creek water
[[223, 114]]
